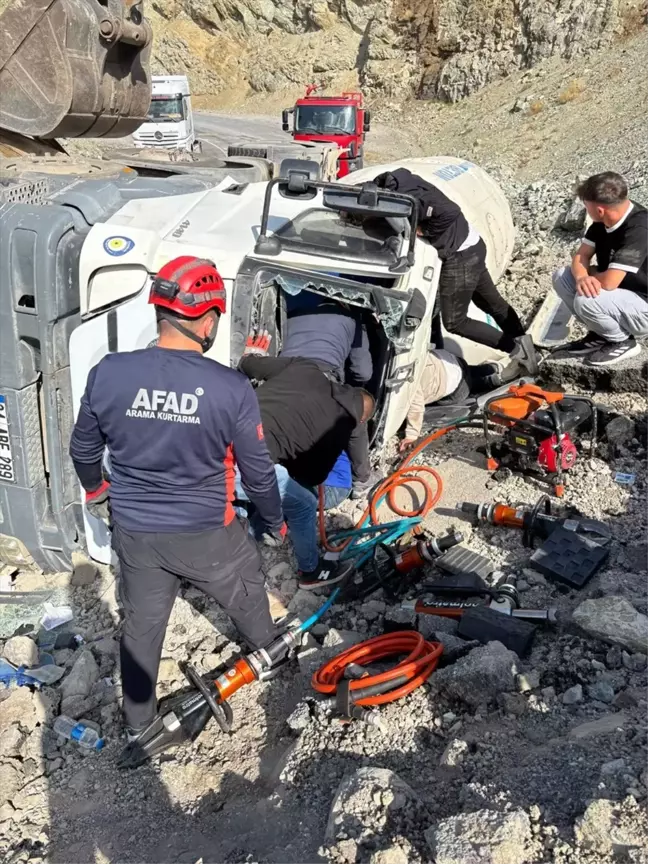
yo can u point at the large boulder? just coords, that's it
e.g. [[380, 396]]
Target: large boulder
[[21, 651], [478, 678], [82, 676], [23, 708], [484, 837], [614, 620], [365, 801], [611, 829]]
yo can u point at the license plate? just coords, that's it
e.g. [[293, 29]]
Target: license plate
[[6, 457]]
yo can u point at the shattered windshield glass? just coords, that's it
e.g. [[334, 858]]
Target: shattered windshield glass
[[334, 234], [325, 119], [359, 291]]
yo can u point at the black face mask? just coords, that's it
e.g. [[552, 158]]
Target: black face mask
[[205, 343], [208, 341]]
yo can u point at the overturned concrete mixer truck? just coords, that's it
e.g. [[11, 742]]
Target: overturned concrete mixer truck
[[77, 275]]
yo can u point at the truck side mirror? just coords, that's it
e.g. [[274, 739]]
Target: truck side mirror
[[366, 127], [284, 121]]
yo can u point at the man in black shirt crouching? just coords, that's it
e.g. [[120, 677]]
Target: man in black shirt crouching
[[611, 300]]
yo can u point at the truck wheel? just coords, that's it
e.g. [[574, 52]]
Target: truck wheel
[[197, 147], [356, 164], [242, 150]]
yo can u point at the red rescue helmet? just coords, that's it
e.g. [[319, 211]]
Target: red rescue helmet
[[189, 286]]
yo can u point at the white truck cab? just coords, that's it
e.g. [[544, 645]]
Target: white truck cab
[[170, 121], [269, 241]]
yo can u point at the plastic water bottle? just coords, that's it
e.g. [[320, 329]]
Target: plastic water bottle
[[84, 736]]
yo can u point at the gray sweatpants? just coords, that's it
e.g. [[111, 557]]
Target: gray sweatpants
[[614, 315]]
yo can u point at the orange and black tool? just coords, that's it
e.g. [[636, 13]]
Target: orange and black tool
[[536, 521], [458, 608], [389, 568], [185, 716], [538, 431]]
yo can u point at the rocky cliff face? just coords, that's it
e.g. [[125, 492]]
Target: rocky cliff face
[[432, 49]]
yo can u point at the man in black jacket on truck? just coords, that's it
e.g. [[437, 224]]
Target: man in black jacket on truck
[[464, 275], [176, 425]]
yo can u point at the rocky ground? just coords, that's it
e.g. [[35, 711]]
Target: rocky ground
[[497, 759]]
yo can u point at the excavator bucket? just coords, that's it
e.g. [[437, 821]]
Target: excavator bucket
[[74, 68]]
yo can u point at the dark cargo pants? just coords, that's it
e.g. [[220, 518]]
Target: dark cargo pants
[[224, 563]]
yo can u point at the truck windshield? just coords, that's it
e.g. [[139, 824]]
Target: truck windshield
[[338, 235], [325, 119], [166, 109]]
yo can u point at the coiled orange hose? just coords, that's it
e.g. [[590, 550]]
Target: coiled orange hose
[[403, 475], [422, 659]]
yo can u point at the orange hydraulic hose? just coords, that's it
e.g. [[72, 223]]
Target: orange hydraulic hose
[[422, 659], [402, 476]]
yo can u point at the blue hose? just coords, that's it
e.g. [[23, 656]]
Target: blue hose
[[314, 618], [367, 537], [388, 532]]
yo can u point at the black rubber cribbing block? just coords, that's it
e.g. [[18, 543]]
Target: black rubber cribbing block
[[569, 558], [489, 625], [461, 560]]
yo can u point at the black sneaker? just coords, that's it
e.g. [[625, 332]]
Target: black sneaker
[[326, 573], [523, 360], [581, 347], [614, 352]]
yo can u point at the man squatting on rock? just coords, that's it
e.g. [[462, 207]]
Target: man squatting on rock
[[611, 299], [174, 422], [464, 275]]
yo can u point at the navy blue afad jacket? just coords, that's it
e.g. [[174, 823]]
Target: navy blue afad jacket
[[176, 424]]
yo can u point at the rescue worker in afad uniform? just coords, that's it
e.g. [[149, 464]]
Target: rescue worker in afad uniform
[[175, 425]]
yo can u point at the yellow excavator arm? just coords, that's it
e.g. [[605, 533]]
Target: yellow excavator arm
[[73, 69]]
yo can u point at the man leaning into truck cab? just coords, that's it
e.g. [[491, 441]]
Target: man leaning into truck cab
[[335, 337], [611, 300], [464, 275], [175, 424], [308, 418]]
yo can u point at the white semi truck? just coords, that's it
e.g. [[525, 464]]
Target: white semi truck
[[170, 122]]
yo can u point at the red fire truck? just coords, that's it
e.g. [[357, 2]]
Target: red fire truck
[[342, 120]]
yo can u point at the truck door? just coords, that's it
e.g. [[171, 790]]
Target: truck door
[[125, 328], [407, 367]]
